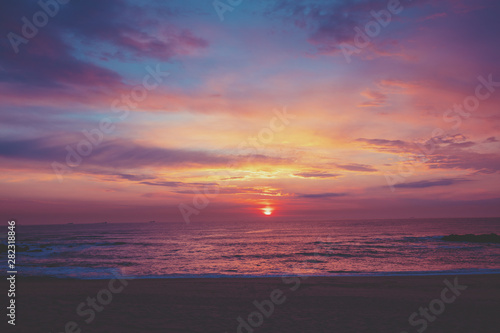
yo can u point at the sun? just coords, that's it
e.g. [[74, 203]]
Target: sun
[[267, 211]]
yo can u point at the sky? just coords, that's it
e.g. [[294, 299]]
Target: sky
[[187, 111]]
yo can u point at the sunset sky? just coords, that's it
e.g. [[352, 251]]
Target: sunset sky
[[265, 107]]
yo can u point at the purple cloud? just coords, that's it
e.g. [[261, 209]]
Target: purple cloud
[[317, 174], [357, 167], [322, 195], [432, 183], [62, 54]]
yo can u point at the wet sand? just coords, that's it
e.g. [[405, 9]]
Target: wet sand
[[314, 304]]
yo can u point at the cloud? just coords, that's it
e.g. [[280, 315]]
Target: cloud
[[455, 138], [134, 177], [466, 144], [322, 195], [120, 154], [328, 23], [233, 178], [433, 17], [432, 183], [377, 98], [112, 153], [357, 167], [465, 160], [316, 174], [491, 139], [442, 153], [257, 190], [68, 55], [177, 184], [400, 146], [395, 146]]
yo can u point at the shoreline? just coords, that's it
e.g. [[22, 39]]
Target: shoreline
[[486, 271]]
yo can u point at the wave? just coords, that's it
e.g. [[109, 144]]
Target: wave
[[85, 273], [323, 254], [471, 238]]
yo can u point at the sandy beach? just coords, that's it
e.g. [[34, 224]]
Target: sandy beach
[[314, 304]]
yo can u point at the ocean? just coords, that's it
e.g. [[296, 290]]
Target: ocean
[[260, 248]]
